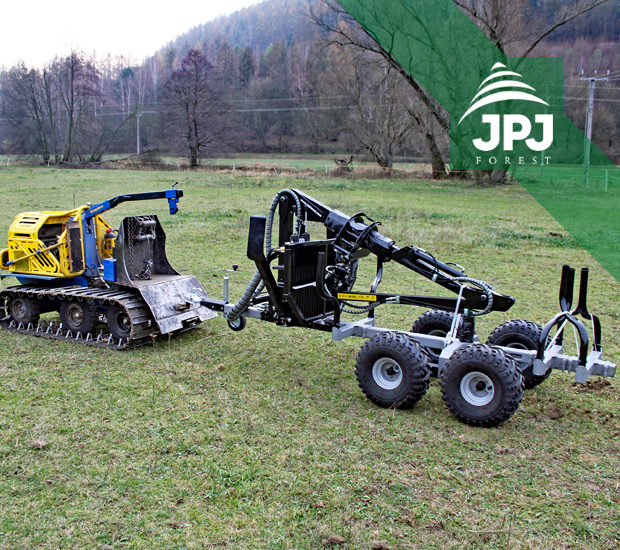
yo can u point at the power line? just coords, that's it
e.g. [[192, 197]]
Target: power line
[[314, 98], [603, 88], [274, 110], [599, 100]]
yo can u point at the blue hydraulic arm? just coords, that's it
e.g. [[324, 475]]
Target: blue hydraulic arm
[[173, 196], [91, 254]]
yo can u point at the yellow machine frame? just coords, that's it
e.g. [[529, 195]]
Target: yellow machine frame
[[39, 243]]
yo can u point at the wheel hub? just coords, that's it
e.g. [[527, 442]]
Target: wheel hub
[[76, 315], [387, 373], [516, 345], [477, 388], [124, 322], [19, 307], [442, 334]]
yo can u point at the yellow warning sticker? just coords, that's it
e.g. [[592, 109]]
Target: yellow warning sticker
[[357, 297]]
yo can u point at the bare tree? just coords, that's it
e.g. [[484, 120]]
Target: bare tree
[[124, 89], [193, 110], [76, 85], [342, 30], [316, 119], [154, 65], [511, 25], [24, 108], [57, 101], [377, 118], [507, 24]]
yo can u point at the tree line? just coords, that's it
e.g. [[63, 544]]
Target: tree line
[[200, 102], [333, 90]]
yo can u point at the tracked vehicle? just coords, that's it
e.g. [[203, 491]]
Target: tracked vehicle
[[305, 282], [111, 287]]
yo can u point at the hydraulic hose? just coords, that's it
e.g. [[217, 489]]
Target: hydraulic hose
[[358, 310], [255, 286], [484, 286]]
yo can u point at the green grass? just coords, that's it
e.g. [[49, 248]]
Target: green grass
[[262, 439], [257, 162], [321, 163], [589, 212], [571, 174]]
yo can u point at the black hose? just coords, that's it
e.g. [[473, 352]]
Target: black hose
[[256, 285], [484, 286]]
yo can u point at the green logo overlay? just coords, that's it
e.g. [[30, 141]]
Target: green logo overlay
[[509, 121], [505, 114]]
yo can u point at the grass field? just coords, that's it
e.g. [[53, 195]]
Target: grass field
[[262, 439], [260, 162], [319, 163]]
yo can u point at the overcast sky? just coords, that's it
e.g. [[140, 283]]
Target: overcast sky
[[34, 31]]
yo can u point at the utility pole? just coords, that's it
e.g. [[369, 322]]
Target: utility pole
[[138, 115], [587, 144]]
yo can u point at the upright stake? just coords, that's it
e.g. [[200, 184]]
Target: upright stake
[[606, 179]]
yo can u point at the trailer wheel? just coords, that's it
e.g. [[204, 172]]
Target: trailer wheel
[[119, 322], [438, 323], [236, 325], [481, 385], [78, 317], [392, 370], [433, 323], [24, 310], [520, 334]]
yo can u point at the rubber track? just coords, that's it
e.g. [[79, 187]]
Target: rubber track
[[142, 325]]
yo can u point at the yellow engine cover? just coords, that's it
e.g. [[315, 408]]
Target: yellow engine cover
[[39, 243]]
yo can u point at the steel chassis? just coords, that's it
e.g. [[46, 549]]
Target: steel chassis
[[549, 355]]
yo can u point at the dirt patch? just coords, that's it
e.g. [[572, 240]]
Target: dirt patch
[[595, 386], [555, 413]]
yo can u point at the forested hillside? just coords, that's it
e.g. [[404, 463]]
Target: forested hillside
[[257, 26], [282, 76], [271, 20]]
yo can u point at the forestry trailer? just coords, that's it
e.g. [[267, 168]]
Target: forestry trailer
[[482, 384]]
